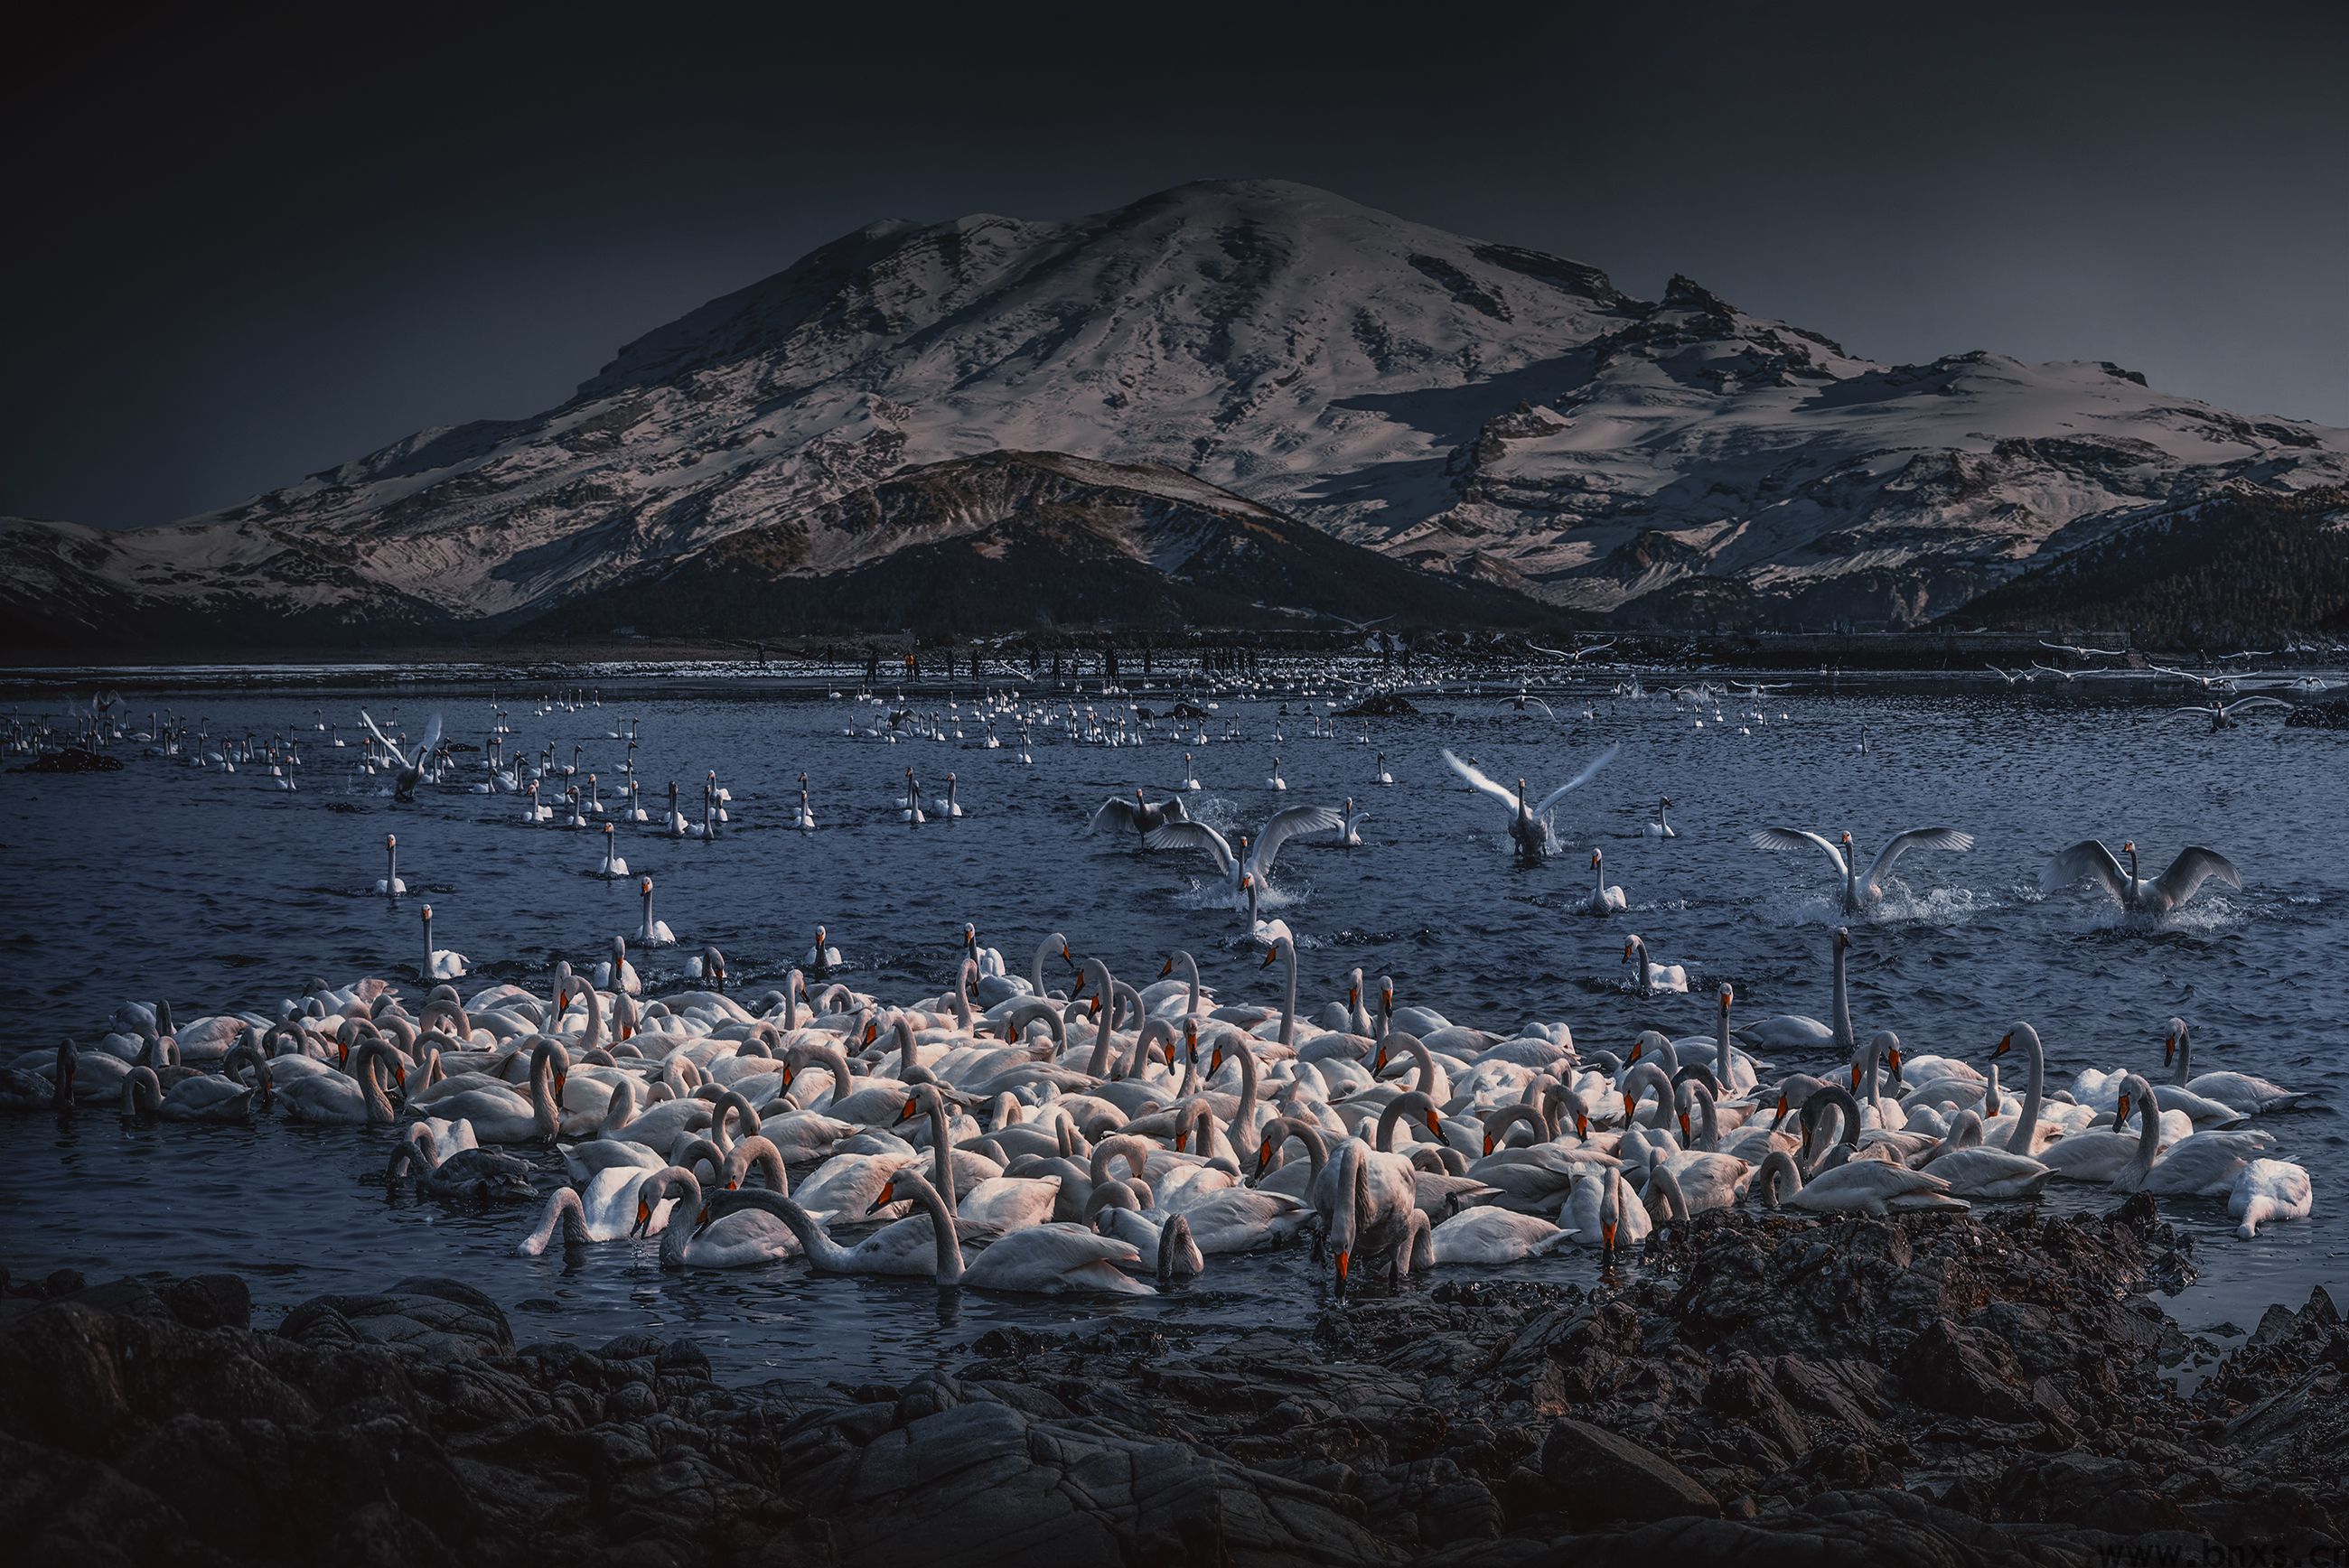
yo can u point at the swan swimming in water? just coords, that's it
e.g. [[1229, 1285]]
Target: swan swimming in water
[[1603, 898], [2240, 1092], [650, 932], [1527, 824], [1653, 977], [1859, 891], [1661, 828], [613, 868], [389, 882], [441, 963], [2089, 860]]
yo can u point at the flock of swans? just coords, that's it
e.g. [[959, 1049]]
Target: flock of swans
[[1067, 1131]]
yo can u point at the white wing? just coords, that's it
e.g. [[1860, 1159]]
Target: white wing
[[1576, 782], [2089, 858], [1916, 839], [1117, 809], [1505, 795], [2238, 706], [432, 742], [1794, 838], [382, 738], [1196, 836], [1285, 825], [1536, 702], [2188, 870]]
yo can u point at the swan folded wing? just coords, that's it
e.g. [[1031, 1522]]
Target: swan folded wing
[[1794, 838], [1917, 839], [1196, 836], [2190, 869], [1478, 781], [2084, 859], [1284, 826], [1590, 772]]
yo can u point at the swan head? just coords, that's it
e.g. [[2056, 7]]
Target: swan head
[[1166, 968], [1595, 859], [1843, 933], [645, 886], [1726, 996], [2171, 1038], [1630, 945], [391, 841]]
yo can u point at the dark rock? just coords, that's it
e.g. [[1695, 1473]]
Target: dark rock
[[1963, 1373], [1386, 705], [1602, 1476]]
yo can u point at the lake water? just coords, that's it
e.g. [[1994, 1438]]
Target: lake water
[[220, 891]]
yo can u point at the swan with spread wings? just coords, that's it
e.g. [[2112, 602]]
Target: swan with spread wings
[[1527, 821], [411, 764], [2089, 860], [1861, 890]]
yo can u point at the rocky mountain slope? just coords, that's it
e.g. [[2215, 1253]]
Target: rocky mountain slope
[[1473, 407]]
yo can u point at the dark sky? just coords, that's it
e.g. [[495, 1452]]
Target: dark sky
[[241, 248]]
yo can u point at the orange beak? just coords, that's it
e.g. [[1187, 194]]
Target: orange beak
[[2121, 1115], [1855, 1077], [644, 1214], [1684, 1127], [1180, 1140], [1215, 1057], [1268, 957], [1434, 1128], [1894, 1057], [1582, 1125], [2169, 1049], [2003, 1048], [1607, 1232], [910, 1112], [1345, 1260], [1264, 1157], [1489, 1143], [872, 1031], [1630, 1104], [1166, 969]]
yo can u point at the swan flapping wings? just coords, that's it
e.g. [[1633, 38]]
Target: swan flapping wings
[[1899, 844], [1282, 827], [2193, 866], [431, 741], [1508, 797], [2086, 861], [1119, 812]]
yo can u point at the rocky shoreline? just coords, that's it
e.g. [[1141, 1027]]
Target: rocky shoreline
[[1924, 1390]]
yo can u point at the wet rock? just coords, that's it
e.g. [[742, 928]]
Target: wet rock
[[430, 1316], [1601, 1476], [71, 759]]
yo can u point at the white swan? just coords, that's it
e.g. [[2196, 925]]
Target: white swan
[[1874, 1187], [650, 932], [613, 868], [2089, 860], [390, 882], [1528, 826], [1661, 828], [1252, 860], [441, 963], [1491, 1236], [1653, 977], [1603, 900], [1859, 891], [411, 766], [2241, 1092], [2267, 1191]]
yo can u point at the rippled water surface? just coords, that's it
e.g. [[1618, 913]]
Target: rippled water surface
[[220, 891]]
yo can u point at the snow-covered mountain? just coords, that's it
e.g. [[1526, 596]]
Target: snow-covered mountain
[[1464, 406]]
